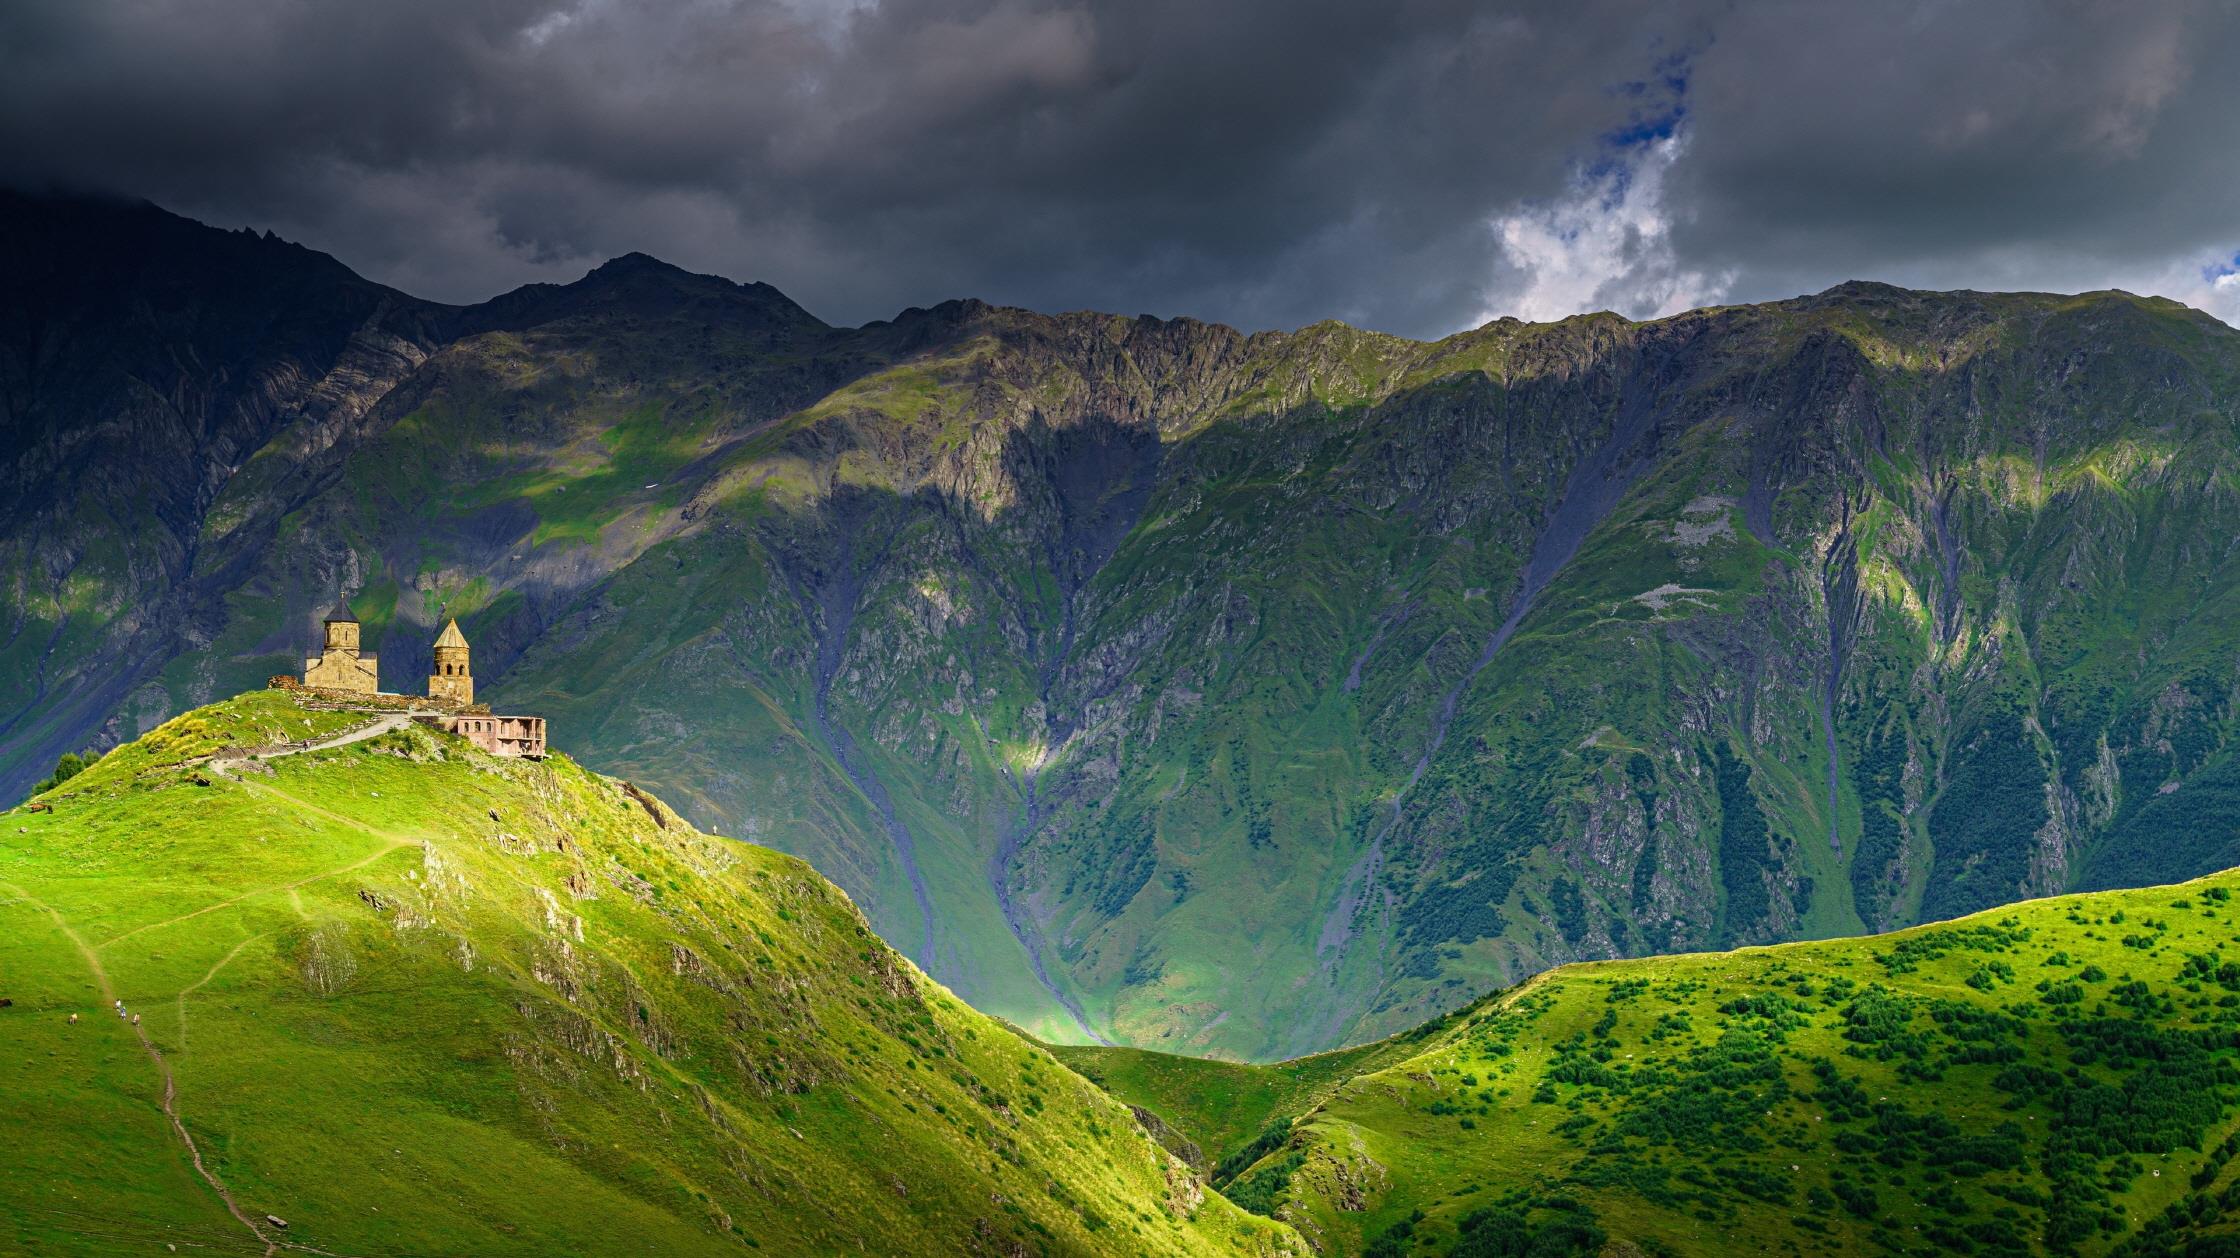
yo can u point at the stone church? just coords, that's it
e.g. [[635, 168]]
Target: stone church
[[343, 667], [346, 670]]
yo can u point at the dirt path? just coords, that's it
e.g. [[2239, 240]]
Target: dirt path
[[372, 729], [163, 1068], [391, 841], [204, 981], [392, 844], [90, 954], [296, 801], [92, 958]]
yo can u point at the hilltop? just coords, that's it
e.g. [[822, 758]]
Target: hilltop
[[411, 998], [1146, 680]]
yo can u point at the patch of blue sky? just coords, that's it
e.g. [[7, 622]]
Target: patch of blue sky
[[1661, 103]]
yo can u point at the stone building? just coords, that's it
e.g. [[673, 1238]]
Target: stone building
[[452, 684], [342, 666], [452, 681], [521, 736]]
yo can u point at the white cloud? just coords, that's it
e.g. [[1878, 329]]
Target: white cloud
[[2207, 284], [2224, 298], [1606, 244]]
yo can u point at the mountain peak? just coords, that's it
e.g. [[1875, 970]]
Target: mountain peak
[[642, 284], [1865, 290], [637, 262]]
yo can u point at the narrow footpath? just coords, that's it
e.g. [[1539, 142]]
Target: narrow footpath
[[108, 993]]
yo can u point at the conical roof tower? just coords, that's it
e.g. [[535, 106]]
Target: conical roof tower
[[452, 680]]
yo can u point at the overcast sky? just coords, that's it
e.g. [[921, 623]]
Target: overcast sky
[[1417, 166]]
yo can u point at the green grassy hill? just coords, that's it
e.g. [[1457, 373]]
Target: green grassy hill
[[2061, 1076], [413, 999]]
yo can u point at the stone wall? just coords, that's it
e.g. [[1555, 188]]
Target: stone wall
[[337, 670]]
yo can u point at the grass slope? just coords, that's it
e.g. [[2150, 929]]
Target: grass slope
[[2060, 1076], [1224, 1106], [414, 999]]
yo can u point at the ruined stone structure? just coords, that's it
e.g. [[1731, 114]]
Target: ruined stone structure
[[513, 736], [342, 667], [452, 681]]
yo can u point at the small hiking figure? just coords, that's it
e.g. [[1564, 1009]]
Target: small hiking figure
[[120, 1004], [73, 1019], [120, 1012], [136, 1019]]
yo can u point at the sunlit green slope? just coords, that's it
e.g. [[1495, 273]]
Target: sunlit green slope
[[2062, 1076], [413, 999]]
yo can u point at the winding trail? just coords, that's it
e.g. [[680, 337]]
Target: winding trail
[[372, 729], [204, 981], [108, 992], [91, 955], [391, 843]]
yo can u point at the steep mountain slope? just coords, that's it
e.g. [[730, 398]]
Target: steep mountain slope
[[2061, 1076], [1259, 694], [412, 999], [148, 359]]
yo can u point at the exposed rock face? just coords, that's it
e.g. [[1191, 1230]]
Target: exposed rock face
[[1146, 679]]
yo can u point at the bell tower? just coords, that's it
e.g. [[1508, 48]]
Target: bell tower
[[342, 629], [452, 681]]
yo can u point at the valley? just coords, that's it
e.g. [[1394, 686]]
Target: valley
[[2059, 1076]]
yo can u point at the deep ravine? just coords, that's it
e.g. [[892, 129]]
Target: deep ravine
[[836, 604], [1590, 491]]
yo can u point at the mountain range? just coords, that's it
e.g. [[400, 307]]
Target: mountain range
[[1151, 682]]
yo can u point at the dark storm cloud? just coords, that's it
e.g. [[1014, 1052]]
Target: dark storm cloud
[[1414, 166], [2055, 145]]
